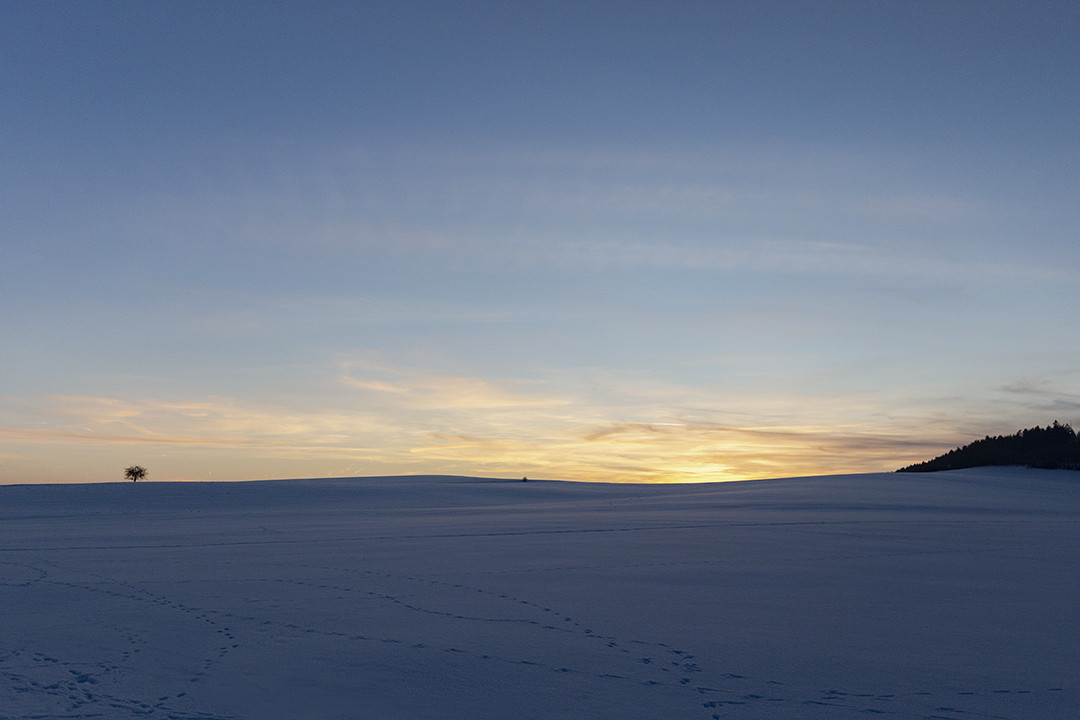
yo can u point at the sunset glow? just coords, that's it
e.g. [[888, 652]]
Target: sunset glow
[[575, 241]]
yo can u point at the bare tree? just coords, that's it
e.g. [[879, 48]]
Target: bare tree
[[135, 472]]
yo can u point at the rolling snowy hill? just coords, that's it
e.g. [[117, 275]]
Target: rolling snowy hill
[[946, 595]]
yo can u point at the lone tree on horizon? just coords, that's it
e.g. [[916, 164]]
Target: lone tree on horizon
[[135, 472]]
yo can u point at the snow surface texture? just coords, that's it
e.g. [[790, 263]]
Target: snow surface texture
[[942, 595]]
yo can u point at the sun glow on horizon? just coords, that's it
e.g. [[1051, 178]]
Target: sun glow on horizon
[[562, 240], [421, 423]]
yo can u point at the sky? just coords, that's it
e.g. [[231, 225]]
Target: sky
[[631, 242]]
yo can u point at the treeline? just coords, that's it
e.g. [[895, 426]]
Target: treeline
[[1054, 446]]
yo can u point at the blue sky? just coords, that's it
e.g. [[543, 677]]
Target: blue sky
[[612, 241]]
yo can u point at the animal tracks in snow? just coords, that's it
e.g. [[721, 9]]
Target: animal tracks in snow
[[20, 574]]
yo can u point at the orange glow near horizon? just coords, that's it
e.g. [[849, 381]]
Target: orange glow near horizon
[[435, 425]]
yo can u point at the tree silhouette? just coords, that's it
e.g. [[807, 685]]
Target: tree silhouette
[[1054, 446], [135, 473]]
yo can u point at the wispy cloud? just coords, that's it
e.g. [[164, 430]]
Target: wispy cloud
[[430, 423], [1044, 395], [682, 452], [384, 415], [726, 208], [45, 435], [427, 391], [210, 422]]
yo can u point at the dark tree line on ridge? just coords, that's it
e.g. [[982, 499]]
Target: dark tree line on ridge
[[1053, 447]]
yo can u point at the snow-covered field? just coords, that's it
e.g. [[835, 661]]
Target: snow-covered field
[[948, 595]]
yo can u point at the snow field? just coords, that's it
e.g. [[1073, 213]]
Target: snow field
[[946, 595]]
